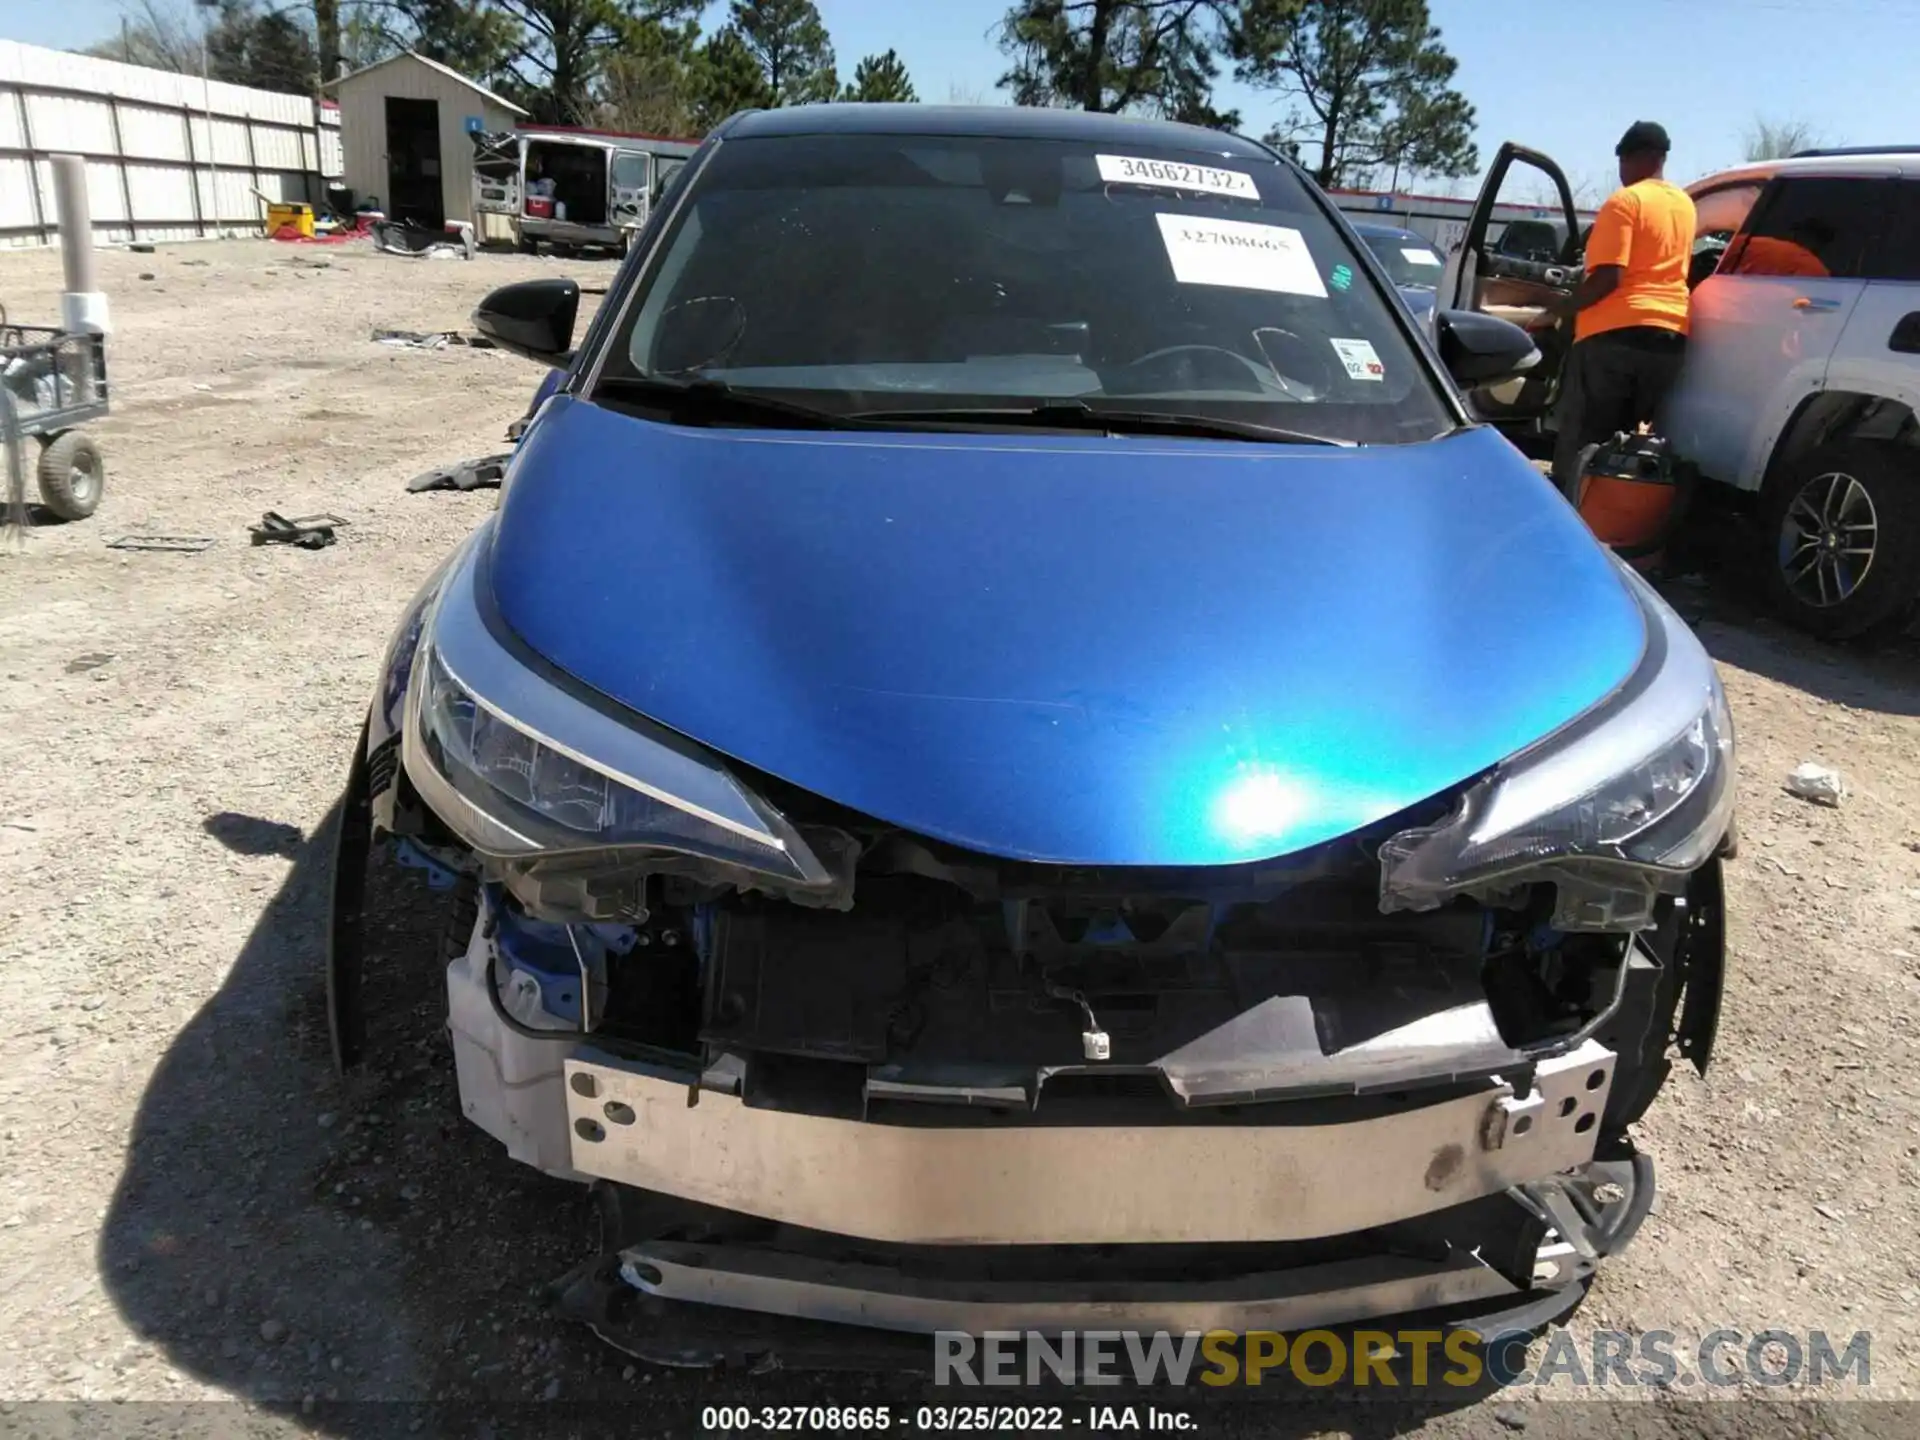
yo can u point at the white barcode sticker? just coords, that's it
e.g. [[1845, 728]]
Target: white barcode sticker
[[1361, 359], [1173, 175], [1236, 253]]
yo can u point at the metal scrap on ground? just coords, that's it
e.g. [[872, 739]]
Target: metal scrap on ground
[[183, 543], [431, 340], [466, 475], [309, 532]]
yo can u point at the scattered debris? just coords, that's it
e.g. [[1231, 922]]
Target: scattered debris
[[431, 340], [141, 247], [148, 275], [466, 475], [1817, 783], [184, 543], [309, 532], [93, 660], [1830, 1213], [392, 237]]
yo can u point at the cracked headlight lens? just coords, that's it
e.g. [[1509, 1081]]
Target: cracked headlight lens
[[1616, 808]]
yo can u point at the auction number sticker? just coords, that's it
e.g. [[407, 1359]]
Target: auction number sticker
[[1419, 255], [1172, 175], [1240, 255], [1361, 359]]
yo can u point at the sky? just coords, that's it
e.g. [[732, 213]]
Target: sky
[[1562, 77]]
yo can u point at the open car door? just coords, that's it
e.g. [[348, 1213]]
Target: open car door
[[496, 172], [1520, 282]]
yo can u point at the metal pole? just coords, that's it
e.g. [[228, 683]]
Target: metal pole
[[83, 308], [206, 103]]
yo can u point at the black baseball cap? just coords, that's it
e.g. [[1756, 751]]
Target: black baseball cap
[[1644, 136]]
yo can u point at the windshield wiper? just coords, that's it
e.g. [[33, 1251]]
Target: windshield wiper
[[1078, 415], [703, 401]]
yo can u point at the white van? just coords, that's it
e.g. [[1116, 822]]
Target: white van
[[572, 188]]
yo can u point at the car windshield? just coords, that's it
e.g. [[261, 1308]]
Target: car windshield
[[979, 277], [1408, 259]]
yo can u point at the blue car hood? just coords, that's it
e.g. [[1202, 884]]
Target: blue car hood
[[1062, 648]]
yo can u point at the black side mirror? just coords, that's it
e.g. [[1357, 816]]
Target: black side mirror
[[533, 318], [1482, 349]]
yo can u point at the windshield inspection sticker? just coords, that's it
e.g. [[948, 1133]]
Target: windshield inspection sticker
[[1239, 255], [1171, 175], [1361, 359], [1416, 256]]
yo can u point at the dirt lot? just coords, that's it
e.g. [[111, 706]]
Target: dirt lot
[[194, 1206]]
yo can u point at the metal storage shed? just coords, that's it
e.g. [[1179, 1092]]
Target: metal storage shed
[[404, 128]]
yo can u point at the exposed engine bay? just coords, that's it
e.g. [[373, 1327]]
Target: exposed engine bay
[[609, 999]]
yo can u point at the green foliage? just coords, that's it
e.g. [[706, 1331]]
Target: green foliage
[[652, 81], [728, 78], [1158, 57], [242, 42], [1373, 85], [789, 42], [880, 79]]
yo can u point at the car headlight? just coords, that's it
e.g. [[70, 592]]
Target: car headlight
[[522, 769], [1616, 808]]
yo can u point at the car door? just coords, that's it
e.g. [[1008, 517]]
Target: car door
[[1766, 322], [1879, 351], [629, 184], [496, 172], [1517, 288]]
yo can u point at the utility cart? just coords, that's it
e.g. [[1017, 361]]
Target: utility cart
[[52, 382]]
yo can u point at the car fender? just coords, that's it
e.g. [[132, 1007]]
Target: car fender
[[1776, 412], [388, 707]]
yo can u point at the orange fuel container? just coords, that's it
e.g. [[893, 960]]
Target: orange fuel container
[[1630, 496]]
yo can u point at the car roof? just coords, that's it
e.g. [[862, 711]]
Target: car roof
[[1864, 160], [1006, 122]]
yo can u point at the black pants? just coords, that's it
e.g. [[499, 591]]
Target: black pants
[[1612, 382]]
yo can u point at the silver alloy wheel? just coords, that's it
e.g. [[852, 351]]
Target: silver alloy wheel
[[86, 477], [1827, 539]]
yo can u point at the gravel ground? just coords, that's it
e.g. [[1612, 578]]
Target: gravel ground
[[195, 1207]]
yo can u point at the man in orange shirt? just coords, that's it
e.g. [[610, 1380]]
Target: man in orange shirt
[[1630, 309]]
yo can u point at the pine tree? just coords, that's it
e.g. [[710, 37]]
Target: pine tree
[[881, 79]]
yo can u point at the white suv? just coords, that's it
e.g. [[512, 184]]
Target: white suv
[[1802, 377]]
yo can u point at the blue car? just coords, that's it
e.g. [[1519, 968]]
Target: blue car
[[1012, 757], [1409, 259]]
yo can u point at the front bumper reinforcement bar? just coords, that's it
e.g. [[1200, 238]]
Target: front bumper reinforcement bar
[[1041, 1184]]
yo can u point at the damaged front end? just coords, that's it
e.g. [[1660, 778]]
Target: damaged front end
[[823, 1069]]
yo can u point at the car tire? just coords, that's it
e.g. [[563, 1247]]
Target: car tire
[[72, 476], [1838, 498]]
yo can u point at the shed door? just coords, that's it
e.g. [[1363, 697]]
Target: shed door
[[414, 193]]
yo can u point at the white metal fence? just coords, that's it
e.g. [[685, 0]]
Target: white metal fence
[[169, 157]]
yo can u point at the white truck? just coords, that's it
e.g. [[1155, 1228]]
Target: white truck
[[572, 189]]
